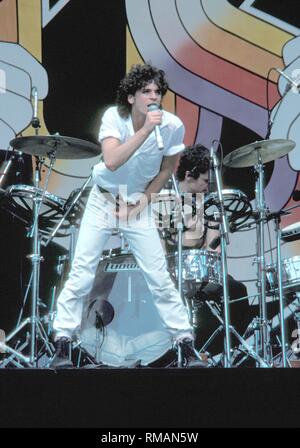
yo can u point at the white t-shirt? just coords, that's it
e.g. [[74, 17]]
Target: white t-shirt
[[134, 175]]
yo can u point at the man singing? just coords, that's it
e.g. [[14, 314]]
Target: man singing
[[132, 171]]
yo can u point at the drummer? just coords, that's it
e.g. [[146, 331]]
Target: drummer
[[193, 177]]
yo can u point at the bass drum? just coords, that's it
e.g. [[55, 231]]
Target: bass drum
[[136, 333]]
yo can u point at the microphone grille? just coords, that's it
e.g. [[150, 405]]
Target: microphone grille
[[152, 106]]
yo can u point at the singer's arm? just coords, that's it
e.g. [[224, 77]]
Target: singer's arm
[[116, 154]]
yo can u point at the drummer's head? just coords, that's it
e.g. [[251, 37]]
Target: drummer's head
[[193, 169], [139, 76]]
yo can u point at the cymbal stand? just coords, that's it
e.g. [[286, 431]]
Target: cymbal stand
[[280, 291], [36, 328], [215, 310], [179, 242], [68, 211], [264, 343]]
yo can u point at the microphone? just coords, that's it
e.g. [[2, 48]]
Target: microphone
[[159, 140], [35, 122], [211, 174], [217, 240], [215, 243], [291, 83]]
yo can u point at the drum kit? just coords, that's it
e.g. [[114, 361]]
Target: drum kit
[[120, 325]]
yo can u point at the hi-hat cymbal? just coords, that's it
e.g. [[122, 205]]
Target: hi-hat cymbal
[[267, 150], [57, 146]]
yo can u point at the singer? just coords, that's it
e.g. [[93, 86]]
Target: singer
[[132, 165]]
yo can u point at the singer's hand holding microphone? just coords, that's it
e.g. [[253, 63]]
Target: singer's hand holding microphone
[[153, 121]]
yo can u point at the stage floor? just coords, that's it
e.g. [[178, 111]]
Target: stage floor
[[149, 398]]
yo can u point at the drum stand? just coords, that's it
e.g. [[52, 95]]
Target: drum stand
[[179, 275], [276, 217], [215, 310], [263, 335], [16, 155], [36, 328], [179, 240], [264, 346], [225, 323], [223, 225]]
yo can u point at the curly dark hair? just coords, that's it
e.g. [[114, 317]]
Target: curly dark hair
[[138, 77], [194, 159]]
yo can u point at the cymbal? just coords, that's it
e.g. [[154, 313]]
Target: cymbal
[[57, 146], [268, 150]]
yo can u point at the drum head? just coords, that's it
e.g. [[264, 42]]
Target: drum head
[[236, 204], [19, 203], [136, 332]]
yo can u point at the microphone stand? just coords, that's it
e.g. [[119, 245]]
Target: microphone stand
[[179, 240], [224, 231]]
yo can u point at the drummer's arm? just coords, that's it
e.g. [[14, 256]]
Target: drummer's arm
[[211, 235]]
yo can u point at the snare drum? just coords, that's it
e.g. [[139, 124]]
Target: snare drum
[[290, 275], [199, 267]]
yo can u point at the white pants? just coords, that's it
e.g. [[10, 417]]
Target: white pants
[[97, 223]]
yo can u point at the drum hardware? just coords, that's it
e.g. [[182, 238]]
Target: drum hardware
[[56, 147], [267, 150], [236, 204], [18, 200], [224, 235], [199, 267], [179, 242], [36, 329], [70, 209], [223, 225], [74, 199], [15, 155], [282, 301], [215, 310], [52, 147], [252, 333], [256, 154], [291, 233]]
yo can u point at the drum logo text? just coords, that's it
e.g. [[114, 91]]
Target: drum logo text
[[117, 267]]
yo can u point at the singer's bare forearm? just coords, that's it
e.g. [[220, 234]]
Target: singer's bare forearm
[[116, 154]]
